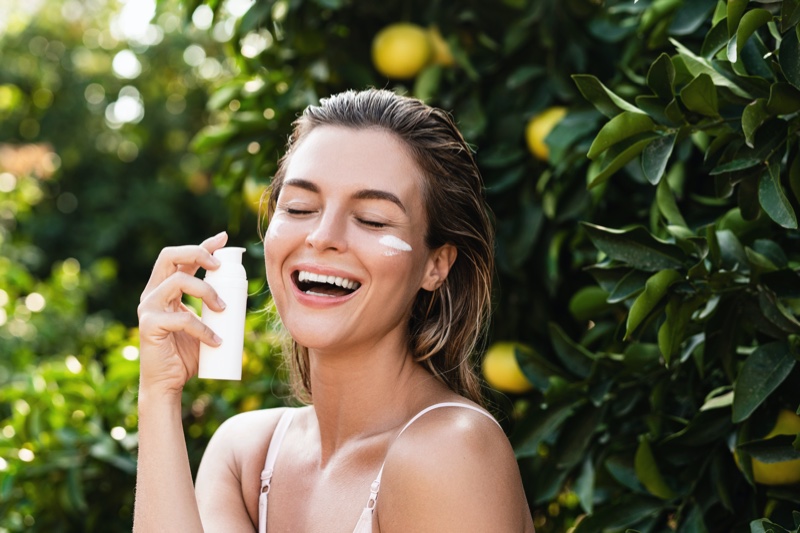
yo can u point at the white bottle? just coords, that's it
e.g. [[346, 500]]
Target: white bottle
[[230, 282]]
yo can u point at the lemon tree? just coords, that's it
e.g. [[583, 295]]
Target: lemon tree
[[642, 162]]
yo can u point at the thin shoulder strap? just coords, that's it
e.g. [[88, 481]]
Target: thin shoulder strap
[[269, 464], [376, 485]]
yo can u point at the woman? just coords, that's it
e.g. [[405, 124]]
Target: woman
[[379, 260]]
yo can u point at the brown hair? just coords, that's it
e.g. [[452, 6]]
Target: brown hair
[[446, 324]]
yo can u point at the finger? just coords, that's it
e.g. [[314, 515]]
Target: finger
[[156, 326], [211, 245], [186, 259], [169, 294]]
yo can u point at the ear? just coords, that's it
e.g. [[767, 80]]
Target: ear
[[438, 266]]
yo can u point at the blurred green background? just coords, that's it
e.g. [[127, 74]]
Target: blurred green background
[[647, 296]]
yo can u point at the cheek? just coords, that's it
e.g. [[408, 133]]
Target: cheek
[[275, 246], [275, 228]]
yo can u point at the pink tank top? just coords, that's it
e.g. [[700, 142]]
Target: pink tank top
[[364, 524]]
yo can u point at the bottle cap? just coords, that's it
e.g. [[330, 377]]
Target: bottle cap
[[231, 264]]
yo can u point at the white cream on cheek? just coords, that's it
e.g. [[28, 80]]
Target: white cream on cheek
[[274, 227], [394, 244]]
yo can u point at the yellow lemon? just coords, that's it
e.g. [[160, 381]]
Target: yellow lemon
[[784, 472], [401, 50], [441, 50], [251, 193], [539, 127], [501, 370]]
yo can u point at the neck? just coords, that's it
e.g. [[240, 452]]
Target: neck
[[361, 393]]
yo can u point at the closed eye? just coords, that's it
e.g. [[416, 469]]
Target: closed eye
[[371, 223], [292, 211]]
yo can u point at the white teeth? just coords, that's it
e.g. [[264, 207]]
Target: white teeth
[[319, 294], [303, 275]]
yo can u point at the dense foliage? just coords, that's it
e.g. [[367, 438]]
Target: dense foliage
[[89, 193], [655, 282]]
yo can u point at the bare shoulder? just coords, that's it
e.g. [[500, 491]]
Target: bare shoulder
[[245, 432], [230, 468], [453, 469]]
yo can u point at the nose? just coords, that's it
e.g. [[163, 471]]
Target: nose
[[328, 233]]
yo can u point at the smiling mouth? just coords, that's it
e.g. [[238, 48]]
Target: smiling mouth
[[322, 285]]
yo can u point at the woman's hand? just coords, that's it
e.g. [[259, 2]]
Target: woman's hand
[[170, 333]]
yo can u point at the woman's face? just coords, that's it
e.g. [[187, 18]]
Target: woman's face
[[345, 250]]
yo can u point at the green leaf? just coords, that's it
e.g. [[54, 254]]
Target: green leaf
[[762, 372], [577, 435], [736, 9], [655, 107], [783, 99], [584, 485], [536, 368], [523, 75], [624, 511], [636, 247], [699, 65], [617, 157], [426, 86], [588, 303], [537, 426], [654, 290], [794, 177], [212, 137], [790, 16], [772, 250], [749, 23], [765, 526], [773, 198], [606, 101], [776, 449], [574, 357], [690, 16], [753, 116], [789, 58], [774, 311], [694, 522], [735, 166], [700, 96], [667, 204], [715, 39], [731, 250], [672, 332], [621, 127], [648, 473], [706, 427], [655, 157], [661, 77], [223, 96], [716, 402], [632, 283]]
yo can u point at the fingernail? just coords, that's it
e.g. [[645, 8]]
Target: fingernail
[[217, 339], [215, 261], [220, 234], [221, 304]]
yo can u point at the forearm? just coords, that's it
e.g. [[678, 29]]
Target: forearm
[[165, 498]]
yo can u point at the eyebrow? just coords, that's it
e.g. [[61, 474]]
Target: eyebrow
[[363, 194]]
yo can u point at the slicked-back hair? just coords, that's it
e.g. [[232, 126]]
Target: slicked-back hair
[[447, 325]]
